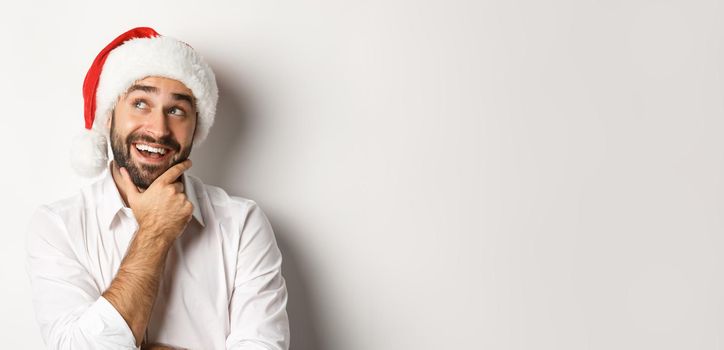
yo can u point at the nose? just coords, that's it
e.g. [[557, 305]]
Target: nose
[[157, 124]]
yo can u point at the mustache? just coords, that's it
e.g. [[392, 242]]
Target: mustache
[[166, 141]]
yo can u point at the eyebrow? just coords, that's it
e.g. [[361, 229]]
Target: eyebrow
[[184, 97], [146, 88], [154, 90]]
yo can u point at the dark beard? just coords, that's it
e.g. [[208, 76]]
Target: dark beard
[[143, 177]]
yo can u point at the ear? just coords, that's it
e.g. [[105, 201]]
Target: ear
[[108, 120], [196, 127]]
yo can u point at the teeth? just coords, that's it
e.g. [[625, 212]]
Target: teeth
[[143, 147]]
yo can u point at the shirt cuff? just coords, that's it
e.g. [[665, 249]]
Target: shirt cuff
[[106, 326]]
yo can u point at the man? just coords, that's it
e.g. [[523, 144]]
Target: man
[[148, 256]]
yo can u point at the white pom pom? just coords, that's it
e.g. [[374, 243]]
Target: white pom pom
[[89, 154]]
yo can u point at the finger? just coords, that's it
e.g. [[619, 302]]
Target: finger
[[179, 186], [127, 184], [174, 172]]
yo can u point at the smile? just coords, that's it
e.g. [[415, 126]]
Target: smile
[[151, 153]]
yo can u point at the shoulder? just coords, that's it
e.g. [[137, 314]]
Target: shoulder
[[53, 223], [72, 208], [224, 204], [247, 220]]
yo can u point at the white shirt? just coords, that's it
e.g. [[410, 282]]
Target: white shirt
[[222, 286]]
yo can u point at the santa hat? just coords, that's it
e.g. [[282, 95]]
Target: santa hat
[[134, 55]]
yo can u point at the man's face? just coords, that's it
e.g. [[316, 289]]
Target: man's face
[[152, 128]]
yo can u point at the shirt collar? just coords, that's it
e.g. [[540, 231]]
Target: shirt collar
[[111, 203]]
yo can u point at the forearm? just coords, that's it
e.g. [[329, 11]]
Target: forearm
[[133, 290]]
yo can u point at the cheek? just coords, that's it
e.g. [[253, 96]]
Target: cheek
[[184, 133], [122, 120], [127, 124]]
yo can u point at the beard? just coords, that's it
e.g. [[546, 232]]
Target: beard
[[144, 174]]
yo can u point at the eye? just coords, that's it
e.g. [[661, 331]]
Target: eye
[[140, 104], [177, 111]]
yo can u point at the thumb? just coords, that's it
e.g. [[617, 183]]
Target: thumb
[[128, 186]]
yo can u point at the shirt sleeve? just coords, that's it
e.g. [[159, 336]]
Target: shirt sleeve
[[257, 309], [68, 304]]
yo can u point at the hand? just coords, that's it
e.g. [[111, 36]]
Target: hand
[[163, 208]]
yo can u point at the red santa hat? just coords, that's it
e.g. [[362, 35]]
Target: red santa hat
[[134, 55]]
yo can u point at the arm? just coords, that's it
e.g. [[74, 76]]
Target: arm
[[258, 317], [162, 213], [134, 288]]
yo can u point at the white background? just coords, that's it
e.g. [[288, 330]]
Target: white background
[[439, 174]]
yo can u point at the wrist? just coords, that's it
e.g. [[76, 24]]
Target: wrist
[[154, 236]]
